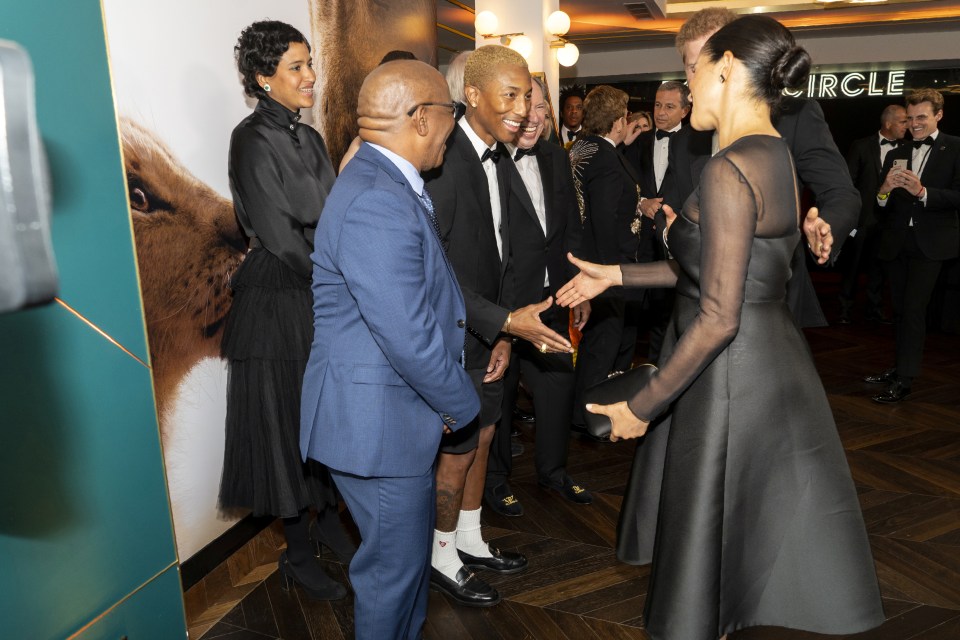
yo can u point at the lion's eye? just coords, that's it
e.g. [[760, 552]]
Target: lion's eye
[[139, 200]]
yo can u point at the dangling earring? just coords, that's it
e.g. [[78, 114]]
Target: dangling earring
[[722, 79], [266, 88]]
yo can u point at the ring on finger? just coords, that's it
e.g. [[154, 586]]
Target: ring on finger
[[543, 347]]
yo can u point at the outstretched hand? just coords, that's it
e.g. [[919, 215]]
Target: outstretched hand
[[819, 236], [625, 425], [592, 280], [525, 323]]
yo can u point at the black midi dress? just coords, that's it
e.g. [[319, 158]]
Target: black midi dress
[[742, 497], [280, 175]]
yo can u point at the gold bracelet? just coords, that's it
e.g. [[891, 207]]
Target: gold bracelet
[[506, 326]]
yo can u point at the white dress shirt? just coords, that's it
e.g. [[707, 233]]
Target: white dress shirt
[[884, 148], [661, 156], [529, 169], [489, 168]]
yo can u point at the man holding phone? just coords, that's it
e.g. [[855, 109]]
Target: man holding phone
[[920, 195]]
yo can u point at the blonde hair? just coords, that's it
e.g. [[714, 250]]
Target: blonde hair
[[483, 62], [455, 76]]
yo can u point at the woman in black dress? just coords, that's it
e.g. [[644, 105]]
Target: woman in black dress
[[757, 520], [607, 194], [280, 175]]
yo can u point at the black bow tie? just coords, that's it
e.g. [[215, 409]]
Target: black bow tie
[[526, 152], [892, 143], [661, 134], [919, 143], [571, 134], [490, 154]]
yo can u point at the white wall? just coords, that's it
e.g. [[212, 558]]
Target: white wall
[[826, 50]]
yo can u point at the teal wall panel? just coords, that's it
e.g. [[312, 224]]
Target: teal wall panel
[[91, 221], [140, 617], [85, 525]]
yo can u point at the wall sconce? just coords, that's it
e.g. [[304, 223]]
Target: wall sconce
[[558, 23], [487, 24]]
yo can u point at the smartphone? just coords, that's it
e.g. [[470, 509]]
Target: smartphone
[[900, 164]]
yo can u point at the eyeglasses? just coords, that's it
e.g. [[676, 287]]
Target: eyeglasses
[[457, 109]]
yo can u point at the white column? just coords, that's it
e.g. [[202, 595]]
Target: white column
[[530, 18]]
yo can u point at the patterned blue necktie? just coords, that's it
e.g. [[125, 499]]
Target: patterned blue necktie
[[428, 203]]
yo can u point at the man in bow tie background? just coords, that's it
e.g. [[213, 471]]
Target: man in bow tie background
[[920, 199], [865, 160], [571, 114], [650, 156]]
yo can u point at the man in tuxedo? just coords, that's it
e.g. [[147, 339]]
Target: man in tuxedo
[[820, 167], [470, 192], [920, 199], [544, 225], [384, 378], [650, 157], [571, 114], [864, 160]]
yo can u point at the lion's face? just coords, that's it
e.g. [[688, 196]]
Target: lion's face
[[188, 245]]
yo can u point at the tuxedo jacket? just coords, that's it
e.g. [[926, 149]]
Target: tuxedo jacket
[[461, 199], [384, 373], [863, 162], [935, 225], [534, 253], [640, 155], [818, 162], [607, 194]]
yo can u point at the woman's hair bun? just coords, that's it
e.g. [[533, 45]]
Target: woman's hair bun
[[791, 69]]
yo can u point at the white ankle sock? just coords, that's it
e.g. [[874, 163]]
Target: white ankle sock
[[469, 539], [445, 558]]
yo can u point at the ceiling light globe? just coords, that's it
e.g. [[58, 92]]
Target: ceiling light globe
[[522, 45]]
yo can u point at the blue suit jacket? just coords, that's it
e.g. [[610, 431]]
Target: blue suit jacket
[[384, 372]]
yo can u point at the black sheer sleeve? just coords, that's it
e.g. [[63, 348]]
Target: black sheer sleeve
[[728, 221], [261, 202]]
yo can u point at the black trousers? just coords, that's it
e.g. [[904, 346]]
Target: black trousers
[[912, 278], [549, 378], [860, 256], [599, 348]]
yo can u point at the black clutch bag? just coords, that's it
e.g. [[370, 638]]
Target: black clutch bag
[[618, 387]]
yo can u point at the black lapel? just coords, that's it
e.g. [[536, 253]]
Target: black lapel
[[520, 188], [545, 163], [875, 151], [504, 184]]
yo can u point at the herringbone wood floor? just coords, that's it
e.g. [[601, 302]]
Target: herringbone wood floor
[[905, 461]]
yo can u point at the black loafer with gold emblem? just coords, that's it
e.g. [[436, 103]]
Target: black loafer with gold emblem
[[569, 490], [501, 500]]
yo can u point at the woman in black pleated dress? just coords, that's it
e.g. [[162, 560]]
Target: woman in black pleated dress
[[280, 175], [756, 518]]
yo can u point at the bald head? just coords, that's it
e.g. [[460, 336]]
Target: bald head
[[404, 106], [392, 89]]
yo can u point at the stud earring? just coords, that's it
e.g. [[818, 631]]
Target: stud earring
[[266, 88], [722, 79]]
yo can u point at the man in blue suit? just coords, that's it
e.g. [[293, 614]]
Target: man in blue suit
[[384, 380]]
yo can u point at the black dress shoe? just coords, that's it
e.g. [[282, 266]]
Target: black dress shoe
[[888, 376], [894, 394], [501, 500], [467, 589], [569, 490], [501, 562], [311, 578], [523, 416]]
